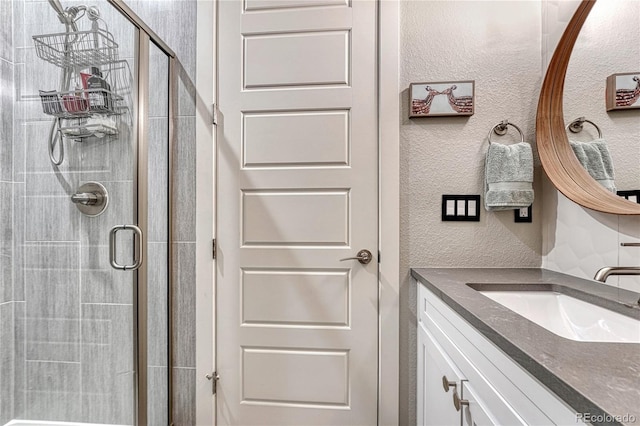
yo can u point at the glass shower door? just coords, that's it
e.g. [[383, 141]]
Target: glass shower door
[[75, 335], [91, 330]]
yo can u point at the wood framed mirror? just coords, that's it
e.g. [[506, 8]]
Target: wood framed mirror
[[557, 158]]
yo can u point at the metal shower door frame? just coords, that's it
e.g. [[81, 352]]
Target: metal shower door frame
[[145, 36]]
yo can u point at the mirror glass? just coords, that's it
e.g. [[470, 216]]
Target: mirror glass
[[609, 43]]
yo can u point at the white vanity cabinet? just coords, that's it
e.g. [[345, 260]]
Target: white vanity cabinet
[[491, 388]]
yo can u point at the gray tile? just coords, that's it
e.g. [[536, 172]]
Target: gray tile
[[19, 375], [37, 145], [18, 23], [18, 149], [184, 180], [159, 81], [186, 93], [43, 184], [51, 219], [158, 180], [157, 305], [53, 391], [6, 279], [184, 305], [107, 363], [52, 256], [113, 405], [6, 361], [52, 294], [106, 285], [94, 156], [6, 218], [18, 244], [51, 339], [6, 116], [157, 397], [6, 32], [53, 376], [184, 398], [107, 343], [6, 242], [122, 155]]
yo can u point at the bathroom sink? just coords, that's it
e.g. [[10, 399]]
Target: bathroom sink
[[568, 316]]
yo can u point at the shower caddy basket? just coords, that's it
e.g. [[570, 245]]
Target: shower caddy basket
[[78, 115]]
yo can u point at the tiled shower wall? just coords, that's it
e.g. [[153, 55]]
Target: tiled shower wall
[[7, 304], [64, 313], [73, 358]]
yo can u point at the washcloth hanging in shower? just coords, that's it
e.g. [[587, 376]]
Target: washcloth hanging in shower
[[596, 159], [508, 177]]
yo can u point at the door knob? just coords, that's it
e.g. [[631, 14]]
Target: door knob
[[364, 256]]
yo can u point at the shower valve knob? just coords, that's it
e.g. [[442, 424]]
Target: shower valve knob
[[86, 198], [91, 198]]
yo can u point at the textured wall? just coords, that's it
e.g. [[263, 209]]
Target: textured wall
[[497, 44], [578, 241]]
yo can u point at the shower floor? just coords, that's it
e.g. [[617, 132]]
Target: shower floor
[[48, 423]]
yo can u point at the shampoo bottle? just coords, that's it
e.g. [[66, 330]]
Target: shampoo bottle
[[99, 91]]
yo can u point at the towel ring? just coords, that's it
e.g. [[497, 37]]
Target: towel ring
[[500, 129], [577, 125]]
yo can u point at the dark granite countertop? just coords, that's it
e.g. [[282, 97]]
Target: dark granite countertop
[[599, 378]]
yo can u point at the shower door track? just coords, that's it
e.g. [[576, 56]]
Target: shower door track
[[144, 36]]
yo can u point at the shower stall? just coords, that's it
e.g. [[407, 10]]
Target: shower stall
[[85, 215]]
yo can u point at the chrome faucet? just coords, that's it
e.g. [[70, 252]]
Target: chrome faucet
[[603, 273]]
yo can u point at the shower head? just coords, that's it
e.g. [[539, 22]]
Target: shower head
[[55, 4]]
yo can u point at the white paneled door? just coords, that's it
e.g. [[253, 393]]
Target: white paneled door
[[297, 328]]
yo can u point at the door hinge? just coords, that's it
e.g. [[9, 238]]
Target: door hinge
[[214, 118], [213, 250], [213, 377], [378, 256]]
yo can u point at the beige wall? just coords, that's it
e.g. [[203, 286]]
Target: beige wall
[[497, 44]]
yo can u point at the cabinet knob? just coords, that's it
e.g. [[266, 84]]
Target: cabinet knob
[[446, 384], [457, 402]]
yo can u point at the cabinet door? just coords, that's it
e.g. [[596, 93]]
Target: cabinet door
[[435, 405]]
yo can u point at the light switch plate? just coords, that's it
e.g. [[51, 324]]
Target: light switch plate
[[461, 208]]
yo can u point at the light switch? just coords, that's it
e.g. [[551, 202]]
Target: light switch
[[451, 207], [471, 205]]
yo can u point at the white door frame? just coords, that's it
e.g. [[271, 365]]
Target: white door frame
[[389, 206], [389, 210]]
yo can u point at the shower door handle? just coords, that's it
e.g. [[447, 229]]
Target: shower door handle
[[137, 244]]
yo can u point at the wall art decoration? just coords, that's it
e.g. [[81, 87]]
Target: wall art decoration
[[438, 99], [623, 91]]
